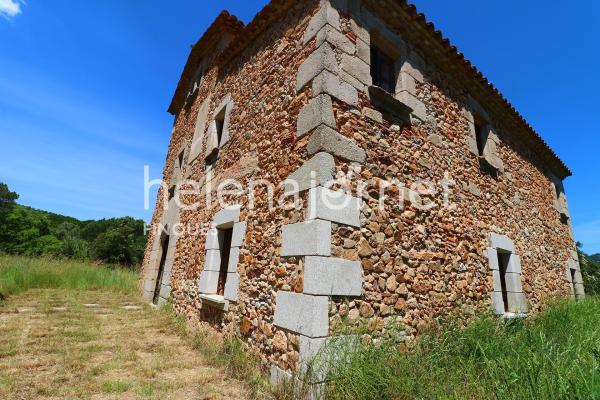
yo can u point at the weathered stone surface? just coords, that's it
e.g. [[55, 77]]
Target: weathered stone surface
[[334, 206], [227, 216], [212, 261], [325, 139], [336, 39], [501, 242], [417, 106], [322, 59], [234, 256], [326, 15], [212, 239], [239, 233], [316, 171], [328, 83], [199, 130], [303, 314], [318, 111], [232, 285], [319, 354], [312, 238], [208, 282], [372, 114], [331, 276], [418, 263], [357, 68]]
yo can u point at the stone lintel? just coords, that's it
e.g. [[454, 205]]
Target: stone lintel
[[501, 242], [227, 216]]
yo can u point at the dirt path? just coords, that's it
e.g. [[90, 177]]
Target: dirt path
[[100, 345]]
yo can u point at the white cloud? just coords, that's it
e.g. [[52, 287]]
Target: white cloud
[[10, 8]]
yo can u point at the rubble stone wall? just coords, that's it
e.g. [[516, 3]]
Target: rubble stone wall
[[300, 94]]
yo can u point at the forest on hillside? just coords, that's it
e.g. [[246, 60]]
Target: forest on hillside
[[27, 231]]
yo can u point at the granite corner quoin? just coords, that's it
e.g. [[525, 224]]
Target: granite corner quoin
[[320, 88]]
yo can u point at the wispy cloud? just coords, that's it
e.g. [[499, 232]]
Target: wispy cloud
[[10, 8]]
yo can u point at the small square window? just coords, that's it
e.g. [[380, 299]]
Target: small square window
[[383, 70]]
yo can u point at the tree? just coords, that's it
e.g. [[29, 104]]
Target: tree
[[7, 202], [590, 271]]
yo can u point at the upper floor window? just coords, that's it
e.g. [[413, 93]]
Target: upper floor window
[[383, 70], [197, 79], [480, 135], [218, 132]]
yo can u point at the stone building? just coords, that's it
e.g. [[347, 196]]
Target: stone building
[[336, 163]]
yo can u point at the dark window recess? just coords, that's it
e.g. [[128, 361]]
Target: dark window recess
[[220, 122], [573, 281], [180, 159], [503, 260], [225, 246], [211, 160], [161, 267], [171, 193], [196, 80], [382, 70], [480, 135]]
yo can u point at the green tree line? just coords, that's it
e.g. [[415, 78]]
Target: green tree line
[[590, 270], [27, 231]]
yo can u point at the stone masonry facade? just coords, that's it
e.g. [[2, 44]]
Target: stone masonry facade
[[420, 193]]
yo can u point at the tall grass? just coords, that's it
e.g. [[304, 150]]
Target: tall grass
[[227, 351], [18, 273], [554, 355]]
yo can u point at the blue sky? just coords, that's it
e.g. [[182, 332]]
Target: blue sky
[[84, 88]]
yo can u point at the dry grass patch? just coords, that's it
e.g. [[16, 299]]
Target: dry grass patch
[[54, 347]]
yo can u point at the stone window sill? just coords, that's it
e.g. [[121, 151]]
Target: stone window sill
[[215, 301], [388, 104], [513, 315]]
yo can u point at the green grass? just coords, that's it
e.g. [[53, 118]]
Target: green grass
[[18, 274], [554, 355], [227, 352], [117, 387]]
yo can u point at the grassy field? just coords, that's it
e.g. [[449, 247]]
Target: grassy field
[[18, 274], [555, 355], [69, 330], [72, 331]]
